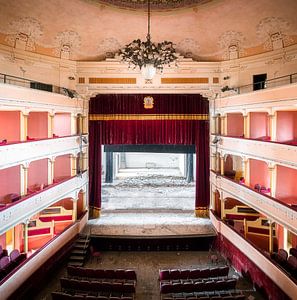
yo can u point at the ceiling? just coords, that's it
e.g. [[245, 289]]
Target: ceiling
[[206, 30]]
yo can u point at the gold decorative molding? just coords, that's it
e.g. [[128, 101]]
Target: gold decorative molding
[[97, 80], [215, 80], [199, 80], [95, 212], [135, 117], [202, 212]]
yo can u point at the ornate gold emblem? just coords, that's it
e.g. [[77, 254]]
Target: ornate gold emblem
[[148, 102]]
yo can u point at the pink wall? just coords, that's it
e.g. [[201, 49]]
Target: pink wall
[[38, 125], [3, 240], [286, 187], [280, 236], [62, 167], [38, 173], [286, 126], [10, 126], [259, 173], [258, 124], [235, 124], [62, 124], [67, 203], [9, 183]]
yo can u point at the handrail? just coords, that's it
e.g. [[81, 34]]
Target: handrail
[[265, 84], [26, 197], [251, 189], [252, 139], [33, 84]]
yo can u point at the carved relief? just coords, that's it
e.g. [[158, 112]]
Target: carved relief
[[67, 42], [188, 47], [109, 47], [232, 43], [273, 32], [25, 32]]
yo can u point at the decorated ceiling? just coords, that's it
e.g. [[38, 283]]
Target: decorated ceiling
[[204, 30], [155, 4]]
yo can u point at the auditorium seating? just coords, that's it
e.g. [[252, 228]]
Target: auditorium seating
[[3, 252], [8, 263], [176, 274], [288, 263], [88, 283], [101, 274]]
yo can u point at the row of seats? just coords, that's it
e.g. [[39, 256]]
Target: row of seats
[[174, 274], [289, 263], [65, 296], [8, 263], [216, 297], [101, 274], [187, 287], [96, 286]]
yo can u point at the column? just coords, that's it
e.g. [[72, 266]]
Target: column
[[73, 124], [51, 170], [74, 210], [50, 125], [23, 126], [84, 200], [246, 170], [73, 165], [25, 228], [271, 229], [213, 162], [245, 227], [246, 125], [222, 164], [84, 124], [189, 169], [224, 127], [24, 179], [272, 126], [213, 124], [285, 245], [222, 209], [272, 174], [218, 162], [84, 161], [109, 167]]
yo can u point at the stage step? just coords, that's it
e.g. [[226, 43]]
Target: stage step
[[75, 263], [77, 257]]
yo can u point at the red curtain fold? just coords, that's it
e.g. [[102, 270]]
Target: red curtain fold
[[174, 132]]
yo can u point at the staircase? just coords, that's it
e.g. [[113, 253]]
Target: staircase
[[79, 251]]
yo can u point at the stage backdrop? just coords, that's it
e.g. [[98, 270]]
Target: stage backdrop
[[173, 120]]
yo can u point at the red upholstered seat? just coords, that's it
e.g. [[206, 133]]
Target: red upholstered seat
[[164, 274], [3, 252], [4, 262], [130, 275]]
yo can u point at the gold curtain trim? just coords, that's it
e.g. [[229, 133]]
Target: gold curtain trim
[[110, 117], [202, 212]]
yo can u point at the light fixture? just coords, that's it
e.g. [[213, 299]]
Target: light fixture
[[148, 56]]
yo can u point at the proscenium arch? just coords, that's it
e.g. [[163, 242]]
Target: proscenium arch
[[174, 119]]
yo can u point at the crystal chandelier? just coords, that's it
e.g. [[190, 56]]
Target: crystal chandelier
[[148, 56]]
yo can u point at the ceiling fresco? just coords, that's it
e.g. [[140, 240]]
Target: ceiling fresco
[[88, 30]]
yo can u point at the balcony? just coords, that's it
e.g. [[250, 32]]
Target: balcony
[[281, 96], [279, 153], [19, 153], [17, 95], [268, 206], [22, 210], [264, 263]]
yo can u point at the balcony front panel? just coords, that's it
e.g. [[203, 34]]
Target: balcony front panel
[[16, 154], [22, 211], [273, 209], [275, 152], [272, 271], [281, 97], [14, 97]]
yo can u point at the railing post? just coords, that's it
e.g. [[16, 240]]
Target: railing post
[[4, 79], [291, 79]]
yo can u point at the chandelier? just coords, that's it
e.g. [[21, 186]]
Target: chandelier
[[148, 56]]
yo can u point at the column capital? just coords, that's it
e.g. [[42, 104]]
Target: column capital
[[25, 166], [271, 166]]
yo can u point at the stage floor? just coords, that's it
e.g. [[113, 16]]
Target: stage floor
[[152, 205], [144, 223]]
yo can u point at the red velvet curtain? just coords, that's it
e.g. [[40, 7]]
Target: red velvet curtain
[[172, 125]]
